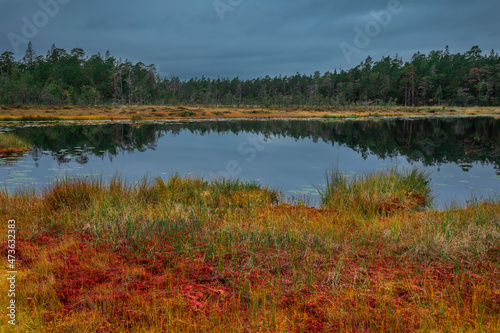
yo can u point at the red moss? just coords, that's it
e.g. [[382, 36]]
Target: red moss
[[290, 210], [125, 279]]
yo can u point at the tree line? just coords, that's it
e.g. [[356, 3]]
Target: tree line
[[72, 78]]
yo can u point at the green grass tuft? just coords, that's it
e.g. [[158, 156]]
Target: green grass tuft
[[9, 141], [378, 193]]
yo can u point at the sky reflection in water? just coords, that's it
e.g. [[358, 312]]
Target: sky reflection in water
[[463, 154]]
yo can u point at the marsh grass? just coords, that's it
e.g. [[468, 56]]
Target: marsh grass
[[379, 193], [340, 116], [183, 114], [30, 118], [136, 117], [188, 255], [456, 233], [55, 119], [11, 143]]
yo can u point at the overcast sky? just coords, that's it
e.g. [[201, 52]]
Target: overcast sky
[[250, 38]]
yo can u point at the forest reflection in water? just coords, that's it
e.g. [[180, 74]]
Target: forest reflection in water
[[462, 153]]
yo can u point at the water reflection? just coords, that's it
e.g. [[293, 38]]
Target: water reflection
[[430, 141], [294, 149]]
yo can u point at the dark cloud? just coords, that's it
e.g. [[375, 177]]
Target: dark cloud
[[187, 38]]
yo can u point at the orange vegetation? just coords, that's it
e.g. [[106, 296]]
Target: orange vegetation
[[210, 112], [11, 151], [230, 258]]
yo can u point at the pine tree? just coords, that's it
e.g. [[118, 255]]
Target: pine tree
[[29, 56], [470, 78]]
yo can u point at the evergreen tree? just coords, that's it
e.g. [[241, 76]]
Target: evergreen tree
[[29, 56], [439, 77]]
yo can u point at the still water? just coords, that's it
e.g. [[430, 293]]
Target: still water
[[462, 154]]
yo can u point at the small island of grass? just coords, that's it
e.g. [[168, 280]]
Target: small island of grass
[[11, 144]]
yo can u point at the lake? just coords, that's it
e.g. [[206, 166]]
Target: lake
[[462, 154]]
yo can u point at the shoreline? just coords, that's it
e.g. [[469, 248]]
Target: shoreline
[[138, 113]]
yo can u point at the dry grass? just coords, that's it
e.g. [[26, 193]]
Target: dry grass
[[54, 113], [186, 255]]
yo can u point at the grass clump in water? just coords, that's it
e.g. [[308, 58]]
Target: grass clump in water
[[11, 143], [379, 193]]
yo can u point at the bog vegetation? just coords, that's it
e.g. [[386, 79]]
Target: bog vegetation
[[11, 143], [187, 255], [440, 77]]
